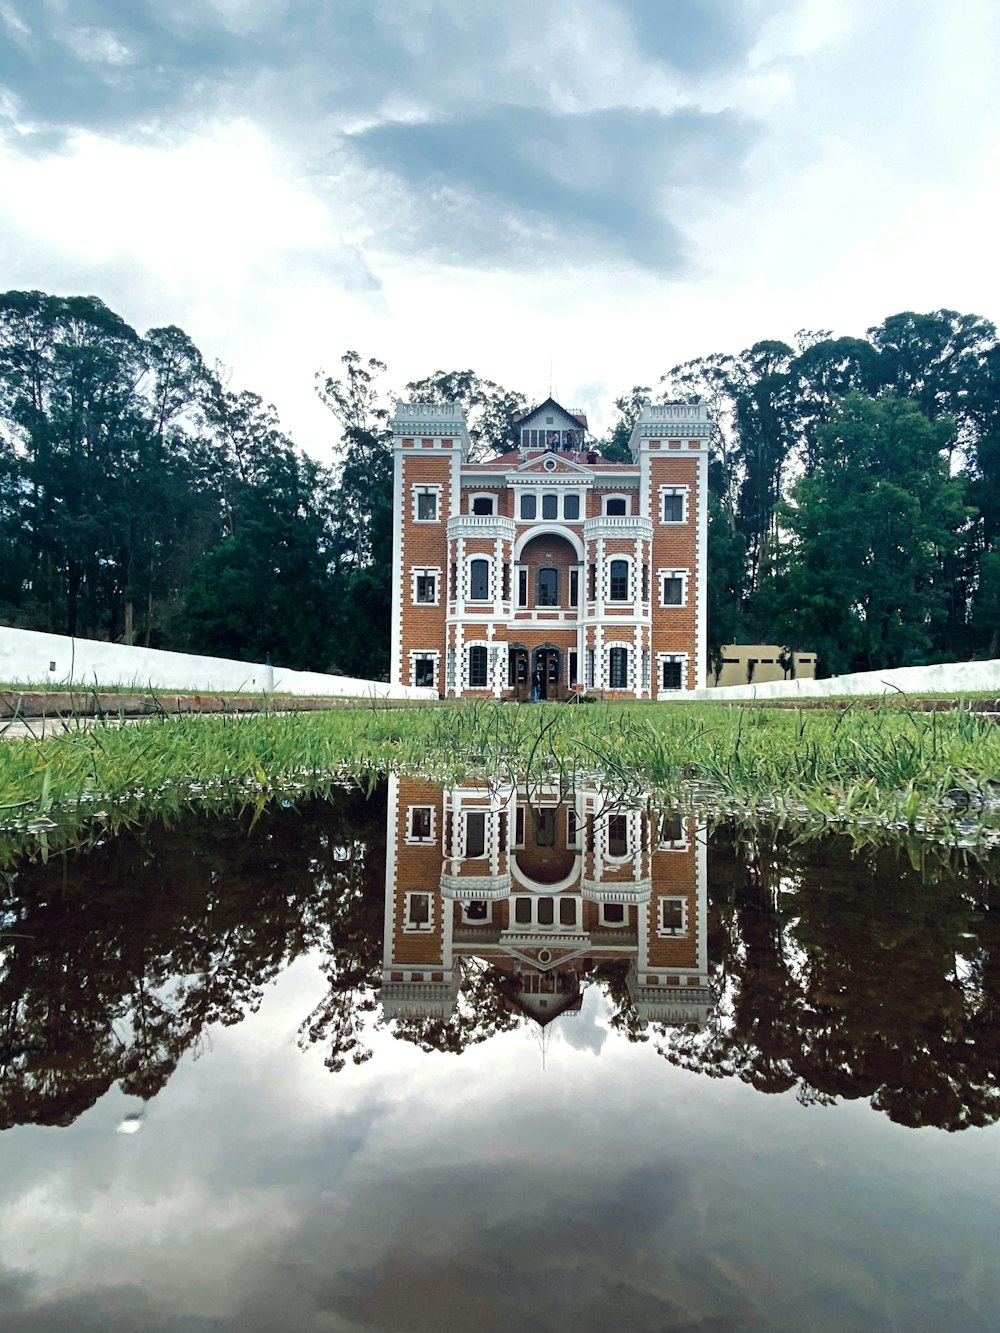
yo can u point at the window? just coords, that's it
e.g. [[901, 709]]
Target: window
[[574, 587], [545, 827], [673, 673], [616, 505], [420, 826], [522, 587], [612, 914], [477, 666], [672, 830], [618, 582], [618, 835], [476, 913], [589, 682], [475, 833], [571, 507], [546, 911], [567, 911], [673, 916], [548, 587], [479, 580], [672, 586], [522, 911], [505, 584], [519, 827], [574, 670], [550, 506], [674, 501], [425, 586], [529, 506], [592, 580], [482, 504], [427, 504], [424, 670], [618, 668], [572, 827], [418, 912]]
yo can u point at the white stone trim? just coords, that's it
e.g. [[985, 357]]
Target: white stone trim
[[421, 841], [424, 926], [617, 495], [672, 932], [473, 496], [629, 664], [425, 488], [435, 656], [418, 571], [465, 580], [630, 586], [684, 491], [684, 575], [684, 660]]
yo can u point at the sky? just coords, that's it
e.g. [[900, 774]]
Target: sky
[[573, 196]]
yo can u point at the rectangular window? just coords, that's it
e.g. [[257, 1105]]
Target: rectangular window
[[672, 673], [574, 671], [618, 581], [420, 823], [574, 587], [522, 911], [567, 911], [674, 504], [506, 583], [572, 826], [427, 504], [592, 594], [545, 828], [618, 668], [519, 827], [426, 587], [482, 504], [672, 916], [476, 913], [546, 912], [616, 506], [522, 587], [477, 666], [590, 669], [475, 833], [550, 506], [529, 505], [418, 911], [617, 835], [612, 914], [451, 668], [571, 507], [424, 670], [673, 590], [672, 829]]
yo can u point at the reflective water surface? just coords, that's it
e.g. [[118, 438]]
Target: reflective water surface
[[497, 1058]]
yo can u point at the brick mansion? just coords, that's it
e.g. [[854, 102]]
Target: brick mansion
[[549, 570]]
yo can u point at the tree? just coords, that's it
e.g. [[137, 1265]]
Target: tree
[[868, 528], [490, 409]]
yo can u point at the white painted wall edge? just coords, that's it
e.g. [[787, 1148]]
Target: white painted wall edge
[[943, 678], [31, 658]]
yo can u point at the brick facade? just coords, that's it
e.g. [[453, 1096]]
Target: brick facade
[[549, 561]]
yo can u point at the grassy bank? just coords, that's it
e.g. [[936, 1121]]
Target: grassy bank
[[906, 769]]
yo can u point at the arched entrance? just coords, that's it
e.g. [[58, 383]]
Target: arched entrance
[[519, 671], [547, 662]]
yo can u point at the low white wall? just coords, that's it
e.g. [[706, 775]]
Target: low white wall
[[30, 658], [943, 678]]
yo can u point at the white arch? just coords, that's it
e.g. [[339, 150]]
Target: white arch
[[546, 530]]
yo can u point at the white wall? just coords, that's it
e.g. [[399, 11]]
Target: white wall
[[944, 678], [29, 658]]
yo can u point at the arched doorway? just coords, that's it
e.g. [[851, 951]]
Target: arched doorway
[[519, 671], [547, 662]]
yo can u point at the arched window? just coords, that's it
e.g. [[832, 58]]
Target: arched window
[[618, 582], [548, 587], [479, 580], [616, 505], [477, 666], [482, 504], [550, 506]]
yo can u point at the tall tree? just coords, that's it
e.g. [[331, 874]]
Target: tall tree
[[490, 409]]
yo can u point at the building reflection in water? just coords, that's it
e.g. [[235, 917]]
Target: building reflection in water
[[547, 888]]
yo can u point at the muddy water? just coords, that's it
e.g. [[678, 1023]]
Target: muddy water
[[497, 1059]]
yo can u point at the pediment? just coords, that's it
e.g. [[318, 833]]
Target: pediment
[[550, 467]]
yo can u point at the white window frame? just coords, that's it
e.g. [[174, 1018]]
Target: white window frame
[[484, 495], [670, 932], [661, 658], [479, 920], [617, 495], [467, 663], [491, 580], [684, 493], [629, 668], [581, 497], [431, 837], [662, 575], [424, 571], [422, 489], [614, 925], [489, 833], [418, 927], [673, 844], [434, 655], [629, 597]]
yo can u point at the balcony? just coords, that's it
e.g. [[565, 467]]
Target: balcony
[[476, 888], [481, 525], [614, 525], [631, 894]]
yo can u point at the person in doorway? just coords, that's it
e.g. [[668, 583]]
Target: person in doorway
[[536, 685]]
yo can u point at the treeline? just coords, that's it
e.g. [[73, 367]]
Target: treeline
[[855, 492]]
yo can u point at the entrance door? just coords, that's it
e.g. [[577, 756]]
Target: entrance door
[[518, 675], [547, 662]]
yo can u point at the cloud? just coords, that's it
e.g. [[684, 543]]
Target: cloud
[[535, 184]]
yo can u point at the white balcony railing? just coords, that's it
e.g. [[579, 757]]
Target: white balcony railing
[[482, 525], [615, 525]]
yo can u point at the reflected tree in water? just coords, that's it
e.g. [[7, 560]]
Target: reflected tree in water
[[869, 973]]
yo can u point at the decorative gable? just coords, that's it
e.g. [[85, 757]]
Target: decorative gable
[[549, 467], [551, 426]]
